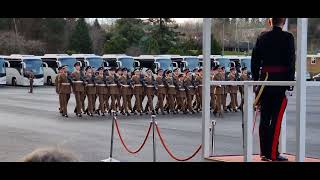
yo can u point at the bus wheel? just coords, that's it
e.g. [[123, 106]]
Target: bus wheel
[[49, 81], [14, 81]]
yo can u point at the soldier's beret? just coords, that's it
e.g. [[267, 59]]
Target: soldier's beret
[[200, 70], [124, 69], [59, 68], [100, 68], [137, 69], [186, 70], [87, 68], [76, 64], [168, 71], [160, 70], [195, 70], [215, 67], [148, 69], [222, 67], [118, 69], [180, 75], [175, 69], [244, 68]]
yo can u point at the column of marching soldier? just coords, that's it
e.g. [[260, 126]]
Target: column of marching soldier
[[176, 92]]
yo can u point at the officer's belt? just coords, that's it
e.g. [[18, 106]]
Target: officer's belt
[[150, 86], [125, 85], [274, 69], [172, 86], [112, 84], [65, 84], [102, 85], [77, 81]]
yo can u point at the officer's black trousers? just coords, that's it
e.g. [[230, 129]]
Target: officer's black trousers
[[273, 105]]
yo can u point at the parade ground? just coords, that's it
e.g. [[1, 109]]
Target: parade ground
[[30, 121]]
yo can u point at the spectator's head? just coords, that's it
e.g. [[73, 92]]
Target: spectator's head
[[49, 155], [277, 22]]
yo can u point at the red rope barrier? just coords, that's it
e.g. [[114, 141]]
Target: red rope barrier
[[125, 146], [170, 153]]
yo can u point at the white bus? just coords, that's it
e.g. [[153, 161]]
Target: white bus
[[3, 80], [19, 67], [121, 61], [51, 64], [92, 60]]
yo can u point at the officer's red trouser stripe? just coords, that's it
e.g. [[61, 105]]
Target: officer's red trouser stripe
[[277, 129]]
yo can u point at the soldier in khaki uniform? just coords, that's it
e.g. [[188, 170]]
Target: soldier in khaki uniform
[[218, 92], [189, 85], [149, 85], [161, 91], [198, 84], [171, 91], [125, 90], [107, 95], [233, 89], [101, 90], [90, 89], [243, 77], [60, 69], [78, 88], [181, 94], [31, 80], [212, 87], [137, 90], [64, 89], [175, 79], [225, 90], [113, 84]]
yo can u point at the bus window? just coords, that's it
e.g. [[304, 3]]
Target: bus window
[[69, 62], [34, 65], [193, 63], [2, 66], [165, 64], [127, 63], [95, 62]]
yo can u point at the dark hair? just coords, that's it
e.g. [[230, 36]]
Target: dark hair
[[278, 21], [49, 155]]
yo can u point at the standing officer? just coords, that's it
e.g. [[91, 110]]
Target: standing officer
[[137, 90], [181, 94], [101, 90], [90, 89], [78, 88], [112, 83], [198, 84], [149, 84], [161, 91], [31, 80], [64, 91], [125, 89], [274, 54], [218, 91], [233, 89], [171, 90], [189, 85]]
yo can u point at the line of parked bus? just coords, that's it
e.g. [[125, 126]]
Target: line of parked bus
[[14, 69]]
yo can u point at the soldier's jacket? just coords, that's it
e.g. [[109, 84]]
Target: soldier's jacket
[[64, 84], [218, 89], [225, 89], [57, 83], [212, 87], [137, 85], [181, 90], [125, 85], [198, 82], [90, 84], [149, 84], [113, 84], [77, 82], [232, 89], [244, 77], [160, 86], [170, 85], [189, 85], [101, 85]]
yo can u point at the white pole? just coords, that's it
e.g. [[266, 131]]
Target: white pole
[[302, 26], [283, 135], [248, 122], [206, 40]]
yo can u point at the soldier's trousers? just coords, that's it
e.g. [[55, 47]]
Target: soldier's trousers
[[115, 98], [101, 102], [106, 98], [126, 100], [31, 86], [79, 96], [91, 99], [272, 110], [224, 101], [138, 103], [160, 102], [170, 100], [83, 104], [60, 103], [64, 103], [233, 100], [218, 103], [199, 99], [180, 104], [189, 102], [212, 101], [149, 104]]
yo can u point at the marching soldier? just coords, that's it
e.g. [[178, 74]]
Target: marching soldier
[[102, 91], [198, 84], [225, 90], [149, 83], [161, 91], [64, 89], [113, 85], [181, 94], [60, 69], [126, 92], [107, 95], [233, 89], [78, 88], [171, 89], [218, 92], [90, 89], [175, 79], [137, 90], [243, 77], [212, 87], [189, 85]]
